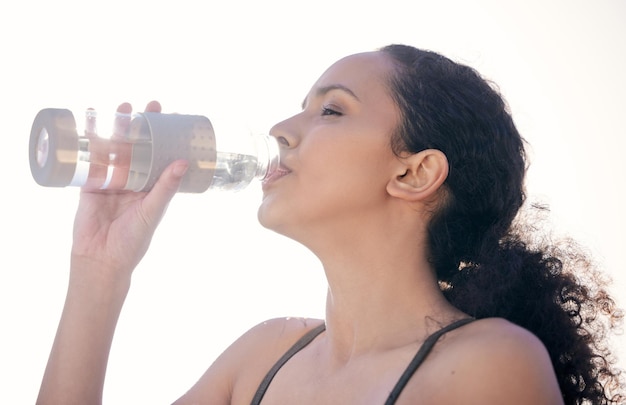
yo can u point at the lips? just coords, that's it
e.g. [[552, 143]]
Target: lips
[[276, 174]]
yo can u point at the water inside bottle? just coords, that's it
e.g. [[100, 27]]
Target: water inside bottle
[[233, 171], [102, 164], [133, 156], [107, 167]]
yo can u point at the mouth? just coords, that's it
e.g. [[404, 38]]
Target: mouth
[[276, 174]]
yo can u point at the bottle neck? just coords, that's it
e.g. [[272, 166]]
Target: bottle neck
[[268, 154]]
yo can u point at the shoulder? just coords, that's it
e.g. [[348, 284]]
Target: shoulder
[[503, 334], [280, 331], [237, 372], [504, 340], [269, 340], [495, 361]]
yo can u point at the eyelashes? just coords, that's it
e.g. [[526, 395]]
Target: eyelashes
[[329, 110]]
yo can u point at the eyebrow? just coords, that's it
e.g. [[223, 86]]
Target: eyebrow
[[321, 91]]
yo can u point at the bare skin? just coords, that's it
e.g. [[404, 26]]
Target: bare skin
[[363, 211]]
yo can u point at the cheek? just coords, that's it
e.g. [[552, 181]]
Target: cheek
[[350, 178], [335, 154], [334, 177]]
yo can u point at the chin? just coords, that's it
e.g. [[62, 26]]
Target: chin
[[271, 217], [263, 219], [268, 216]]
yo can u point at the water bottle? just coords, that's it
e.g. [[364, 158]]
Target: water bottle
[[139, 148]]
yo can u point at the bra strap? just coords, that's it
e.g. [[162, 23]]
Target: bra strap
[[299, 345], [427, 346]]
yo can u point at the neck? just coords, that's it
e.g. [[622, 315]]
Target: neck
[[382, 293]]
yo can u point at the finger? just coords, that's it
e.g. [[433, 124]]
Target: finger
[[121, 123], [90, 123], [125, 108], [155, 203], [153, 106], [98, 152]]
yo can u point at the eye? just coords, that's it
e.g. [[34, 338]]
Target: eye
[[327, 110]]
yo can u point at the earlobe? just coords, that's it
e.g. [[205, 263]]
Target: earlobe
[[419, 176]]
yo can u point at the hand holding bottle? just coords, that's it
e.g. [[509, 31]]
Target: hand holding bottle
[[113, 229]]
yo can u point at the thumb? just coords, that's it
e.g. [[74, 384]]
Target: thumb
[[156, 201]]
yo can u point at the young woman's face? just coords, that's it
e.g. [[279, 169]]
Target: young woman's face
[[336, 152]]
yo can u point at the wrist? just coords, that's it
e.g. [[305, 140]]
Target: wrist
[[93, 275]]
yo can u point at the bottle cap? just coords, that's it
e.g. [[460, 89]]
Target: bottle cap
[[53, 148]]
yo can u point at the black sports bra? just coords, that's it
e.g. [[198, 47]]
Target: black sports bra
[[426, 347]]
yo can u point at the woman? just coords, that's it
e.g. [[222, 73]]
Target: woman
[[403, 173]]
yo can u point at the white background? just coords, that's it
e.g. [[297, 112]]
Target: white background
[[212, 271]]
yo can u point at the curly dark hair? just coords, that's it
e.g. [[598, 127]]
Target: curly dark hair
[[489, 261]]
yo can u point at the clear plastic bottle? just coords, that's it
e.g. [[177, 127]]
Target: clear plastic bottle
[[139, 148]]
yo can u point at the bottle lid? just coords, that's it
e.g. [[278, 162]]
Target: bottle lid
[[53, 148]]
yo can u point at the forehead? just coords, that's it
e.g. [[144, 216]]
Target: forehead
[[364, 73]]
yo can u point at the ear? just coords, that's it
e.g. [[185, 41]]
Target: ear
[[419, 176]]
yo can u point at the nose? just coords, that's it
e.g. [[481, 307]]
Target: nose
[[286, 132]]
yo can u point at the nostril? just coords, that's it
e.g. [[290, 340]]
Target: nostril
[[282, 141]]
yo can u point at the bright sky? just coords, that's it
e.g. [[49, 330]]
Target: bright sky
[[212, 271]]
